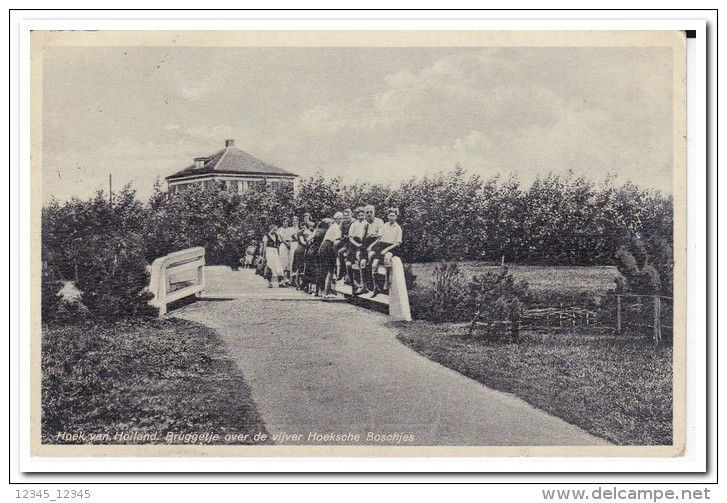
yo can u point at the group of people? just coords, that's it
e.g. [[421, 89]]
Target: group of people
[[314, 256]]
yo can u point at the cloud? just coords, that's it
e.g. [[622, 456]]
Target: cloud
[[517, 111]]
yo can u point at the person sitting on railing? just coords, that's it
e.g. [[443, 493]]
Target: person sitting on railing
[[356, 233], [271, 241], [390, 237], [372, 235], [328, 253]]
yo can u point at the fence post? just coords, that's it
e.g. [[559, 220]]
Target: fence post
[[657, 318], [618, 314]]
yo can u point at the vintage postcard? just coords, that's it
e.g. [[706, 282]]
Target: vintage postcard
[[358, 243]]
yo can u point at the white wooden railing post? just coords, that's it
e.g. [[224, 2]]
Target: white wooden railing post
[[200, 281], [398, 295], [162, 302]]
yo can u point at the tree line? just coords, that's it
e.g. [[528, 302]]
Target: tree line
[[104, 244]]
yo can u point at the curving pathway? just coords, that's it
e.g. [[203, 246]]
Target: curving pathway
[[320, 368]]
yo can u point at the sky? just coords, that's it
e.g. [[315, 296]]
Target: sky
[[364, 114]]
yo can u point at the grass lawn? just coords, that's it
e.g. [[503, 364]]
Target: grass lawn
[[547, 280], [617, 388], [144, 379]]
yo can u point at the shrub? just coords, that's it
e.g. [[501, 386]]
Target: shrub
[[444, 299], [496, 297], [99, 246], [113, 282], [644, 271], [221, 221], [410, 278], [50, 285]]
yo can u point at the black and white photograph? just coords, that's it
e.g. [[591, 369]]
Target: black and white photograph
[[344, 243]]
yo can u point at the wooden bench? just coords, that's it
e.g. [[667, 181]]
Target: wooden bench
[[183, 269]]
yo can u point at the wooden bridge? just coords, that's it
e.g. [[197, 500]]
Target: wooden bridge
[[181, 274]]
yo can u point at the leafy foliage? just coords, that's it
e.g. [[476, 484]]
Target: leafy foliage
[[452, 216], [221, 221], [444, 299], [50, 287], [99, 245], [644, 271], [410, 278], [558, 220], [497, 297]]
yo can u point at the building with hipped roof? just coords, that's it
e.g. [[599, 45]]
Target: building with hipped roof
[[238, 171]]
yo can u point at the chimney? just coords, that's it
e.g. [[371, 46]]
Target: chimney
[[229, 143]]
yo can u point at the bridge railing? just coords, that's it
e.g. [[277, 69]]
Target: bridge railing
[[177, 275], [397, 298]]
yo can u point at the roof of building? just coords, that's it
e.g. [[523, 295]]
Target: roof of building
[[232, 160]]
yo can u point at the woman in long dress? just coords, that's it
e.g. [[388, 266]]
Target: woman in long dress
[[285, 232], [293, 243], [302, 238], [312, 262], [271, 242]]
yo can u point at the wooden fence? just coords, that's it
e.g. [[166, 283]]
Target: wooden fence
[[649, 315], [562, 317]]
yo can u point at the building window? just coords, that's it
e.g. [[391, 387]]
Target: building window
[[282, 184], [257, 186]]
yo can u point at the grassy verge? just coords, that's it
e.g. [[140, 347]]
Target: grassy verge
[[143, 382], [543, 280], [617, 388]]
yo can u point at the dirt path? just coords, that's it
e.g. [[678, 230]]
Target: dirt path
[[328, 367]]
